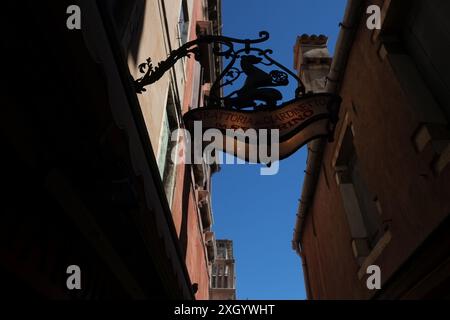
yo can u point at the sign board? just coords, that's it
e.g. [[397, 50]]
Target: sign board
[[298, 121]]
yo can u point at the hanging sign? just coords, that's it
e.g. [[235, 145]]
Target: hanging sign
[[297, 122], [251, 119]]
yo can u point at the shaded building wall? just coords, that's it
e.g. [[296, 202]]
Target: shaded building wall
[[75, 138], [151, 30], [161, 31], [89, 149], [185, 210], [409, 193]]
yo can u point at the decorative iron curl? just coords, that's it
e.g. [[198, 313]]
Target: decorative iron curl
[[151, 74]]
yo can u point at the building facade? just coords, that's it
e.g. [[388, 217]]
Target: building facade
[[187, 188], [223, 275], [379, 194], [87, 164]]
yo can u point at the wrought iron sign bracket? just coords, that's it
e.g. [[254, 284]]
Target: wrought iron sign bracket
[[257, 104], [258, 85]]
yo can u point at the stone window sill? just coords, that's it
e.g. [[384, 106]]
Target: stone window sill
[[438, 137], [374, 254]]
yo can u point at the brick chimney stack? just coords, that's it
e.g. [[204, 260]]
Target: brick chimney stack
[[312, 60]]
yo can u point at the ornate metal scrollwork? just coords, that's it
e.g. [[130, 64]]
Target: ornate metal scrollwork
[[259, 85]]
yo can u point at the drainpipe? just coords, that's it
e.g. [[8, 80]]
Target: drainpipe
[[353, 13], [305, 272]]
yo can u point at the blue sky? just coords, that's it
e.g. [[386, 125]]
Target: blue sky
[[258, 212]]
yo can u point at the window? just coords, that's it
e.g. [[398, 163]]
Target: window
[[427, 37], [366, 202], [225, 282], [183, 24], [226, 277], [416, 50], [166, 166], [220, 276], [359, 203]]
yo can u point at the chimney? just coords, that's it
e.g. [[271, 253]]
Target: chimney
[[312, 61]]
